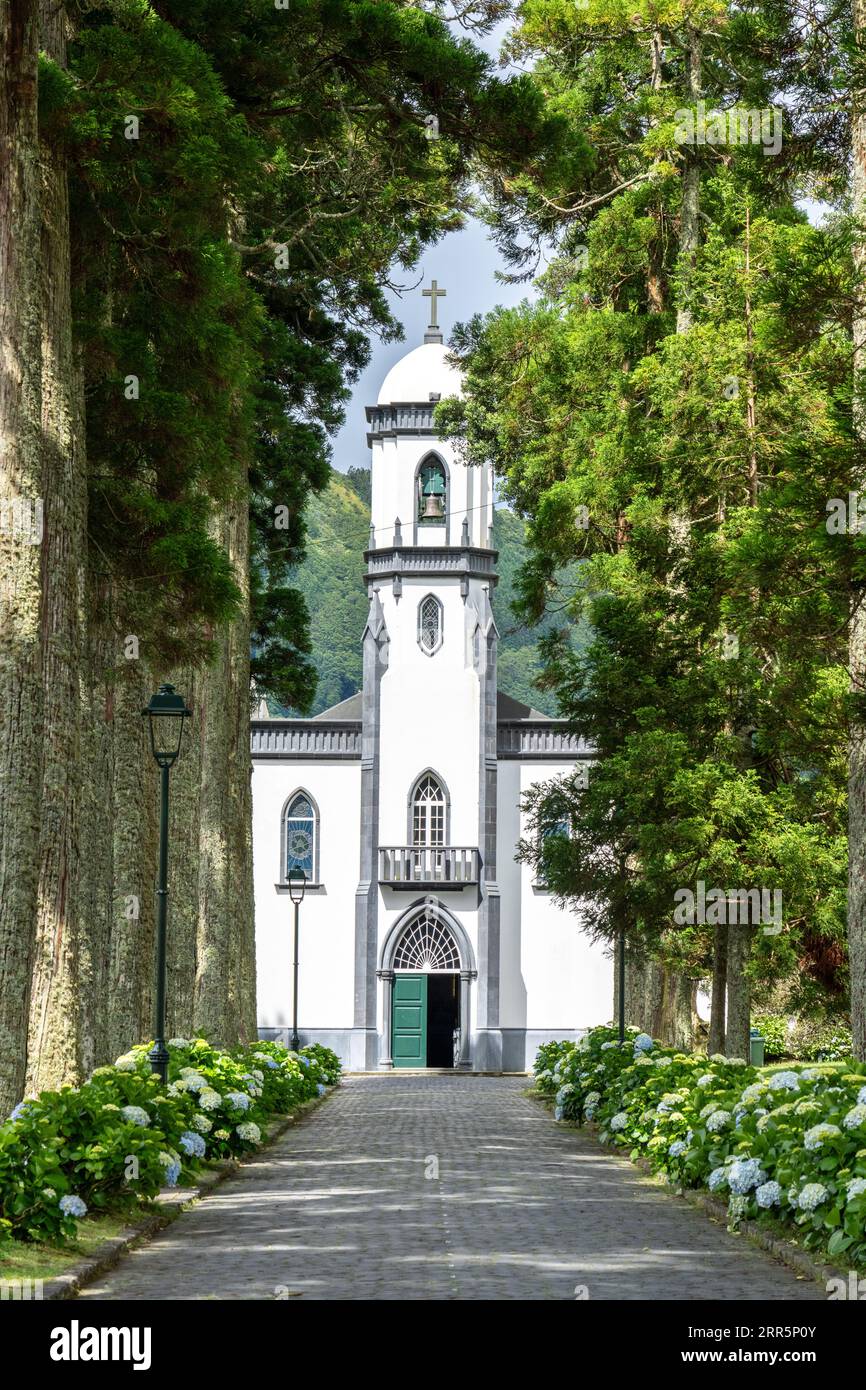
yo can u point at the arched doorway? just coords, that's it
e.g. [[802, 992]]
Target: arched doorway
[[427, 967]]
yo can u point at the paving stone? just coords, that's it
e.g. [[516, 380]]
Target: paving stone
[[344, 1206]]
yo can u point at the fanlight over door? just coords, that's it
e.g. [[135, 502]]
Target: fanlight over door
[[426, 946]]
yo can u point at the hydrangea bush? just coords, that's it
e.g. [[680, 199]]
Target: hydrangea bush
[[121, 1137], [785, 1144]]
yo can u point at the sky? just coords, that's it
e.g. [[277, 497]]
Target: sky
[[464, 263]]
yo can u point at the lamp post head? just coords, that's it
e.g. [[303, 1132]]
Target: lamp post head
[[297, 885], [166, 713]]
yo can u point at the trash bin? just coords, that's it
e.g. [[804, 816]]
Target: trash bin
[[756, 1047]]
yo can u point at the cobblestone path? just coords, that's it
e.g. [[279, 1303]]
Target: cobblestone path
[[348, 1205]]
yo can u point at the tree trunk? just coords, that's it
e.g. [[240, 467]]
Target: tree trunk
[[135, 841], [20, 493], [658, 1000], [97, 821], [225, 985], [716, 1040], [739, 992], [58, 1008], [185, 832], [857, 629]]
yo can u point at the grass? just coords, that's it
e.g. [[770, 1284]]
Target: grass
[[37, 1261]]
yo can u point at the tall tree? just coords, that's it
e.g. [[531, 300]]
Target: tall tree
[[21, 501]]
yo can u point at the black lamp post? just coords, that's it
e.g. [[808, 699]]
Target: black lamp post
[[165, 716], [297, 889]]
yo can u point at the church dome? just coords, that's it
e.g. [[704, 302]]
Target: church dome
[[422, 372]]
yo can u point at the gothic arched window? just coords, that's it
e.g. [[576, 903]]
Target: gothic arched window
[[300, 836], [432, 493], [430, 624], [429, 806]]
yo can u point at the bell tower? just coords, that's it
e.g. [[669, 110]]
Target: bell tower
[[431, 571]]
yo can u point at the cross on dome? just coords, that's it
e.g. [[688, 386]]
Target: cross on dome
[[433, 335]]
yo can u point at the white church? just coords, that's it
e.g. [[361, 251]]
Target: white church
[[423, 943]]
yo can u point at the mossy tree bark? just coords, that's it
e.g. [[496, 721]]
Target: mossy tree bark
[[20, 493], [59, 1013]]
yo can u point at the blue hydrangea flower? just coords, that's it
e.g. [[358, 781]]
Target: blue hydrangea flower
[[71, 1205], [237, 1100], [744, 1174], [193, 1144], [677, 1148], [171, 1164], [557, 1113], [769, 1194], [643, 1043], [718, 1178], [861, 1096], [320, 1088], [19, 1109]]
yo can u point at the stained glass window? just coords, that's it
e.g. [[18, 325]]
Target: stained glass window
[[300, 837]]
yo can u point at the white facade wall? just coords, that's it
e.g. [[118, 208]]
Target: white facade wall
[[326, 985]]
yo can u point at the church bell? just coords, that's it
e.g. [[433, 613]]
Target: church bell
[[433, 492]]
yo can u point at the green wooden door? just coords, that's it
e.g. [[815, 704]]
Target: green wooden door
[[409, 1031]]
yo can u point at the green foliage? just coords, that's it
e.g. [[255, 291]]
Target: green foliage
[[783, 1145], [117, 1140]]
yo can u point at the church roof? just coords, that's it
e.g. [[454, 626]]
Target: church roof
[[423, 372], [507, 708]]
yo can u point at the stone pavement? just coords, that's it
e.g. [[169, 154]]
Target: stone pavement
[[342, 1207]]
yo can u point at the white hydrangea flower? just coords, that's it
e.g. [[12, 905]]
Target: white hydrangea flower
[[861, 1096], [126, 1063], [753, 1092], [249, 1131], [663, 1061], [812, 1195], [811, 1074], [593, 1097], [135, 1115], [855, 1188], [784, 1081], [202, 1124], [708, 1109], [855, 1118], [706, 1080], [718, 1120], [814, 1137], [619, 1121], [178, 1042], [209, 1099], [718, 1057]]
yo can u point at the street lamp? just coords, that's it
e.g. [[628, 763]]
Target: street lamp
[[297, 889], [165, 716]]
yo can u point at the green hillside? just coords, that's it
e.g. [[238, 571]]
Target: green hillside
[[331, 581]]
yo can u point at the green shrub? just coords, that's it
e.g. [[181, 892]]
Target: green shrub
[[782, 1144], [121, 1137]]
